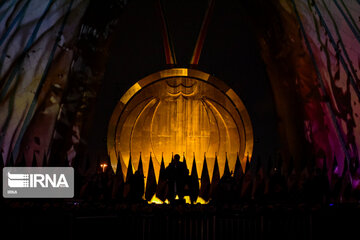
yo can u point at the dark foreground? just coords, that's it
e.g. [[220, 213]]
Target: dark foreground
[[59, 219]]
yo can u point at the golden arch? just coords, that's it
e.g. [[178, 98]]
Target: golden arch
[[183, 111]]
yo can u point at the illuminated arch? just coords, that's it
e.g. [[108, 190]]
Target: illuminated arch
[[179, 110]]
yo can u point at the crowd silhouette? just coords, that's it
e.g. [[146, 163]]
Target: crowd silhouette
[[273, 181], [264, 199], [259, 181]]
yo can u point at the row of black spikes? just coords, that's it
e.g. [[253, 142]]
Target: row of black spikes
[[22, 162], [207, 186], [206, 189], [238, 166], [255, 165]]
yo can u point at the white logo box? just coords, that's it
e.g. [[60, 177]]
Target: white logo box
[[38, 182]]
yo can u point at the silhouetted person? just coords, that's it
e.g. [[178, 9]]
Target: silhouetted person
[[136, 182], [314, 189], [277, 186], [176, 174], [226, 189], [292, 186]]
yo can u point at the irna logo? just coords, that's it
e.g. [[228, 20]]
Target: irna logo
[[38, 182]]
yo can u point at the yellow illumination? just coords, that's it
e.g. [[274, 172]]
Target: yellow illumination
[[155, 200], [182, 111], [126, 97], [187, 199], [201, 201], [103, 166], [174, 71]]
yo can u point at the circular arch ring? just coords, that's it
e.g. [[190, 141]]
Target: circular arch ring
[[171, 73]]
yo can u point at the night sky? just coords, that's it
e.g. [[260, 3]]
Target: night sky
[[230, 53]]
